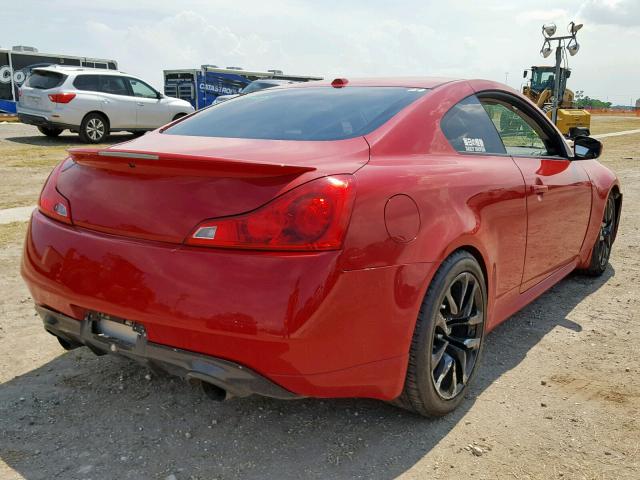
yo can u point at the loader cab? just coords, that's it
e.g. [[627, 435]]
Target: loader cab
[[544, 77]]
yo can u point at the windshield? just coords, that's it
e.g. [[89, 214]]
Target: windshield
[[310, 113], [541, 80]]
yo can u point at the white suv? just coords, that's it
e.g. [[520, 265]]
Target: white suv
[[94, 102]]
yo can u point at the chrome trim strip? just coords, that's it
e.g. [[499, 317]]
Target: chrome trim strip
[[143, 156]]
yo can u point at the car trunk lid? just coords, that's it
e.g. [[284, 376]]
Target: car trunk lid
[[159, 187]]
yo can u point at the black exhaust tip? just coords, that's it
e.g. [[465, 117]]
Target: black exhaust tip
[[67, 344], [214, 392]]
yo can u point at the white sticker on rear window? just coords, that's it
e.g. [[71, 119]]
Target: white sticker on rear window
[[474, 145]]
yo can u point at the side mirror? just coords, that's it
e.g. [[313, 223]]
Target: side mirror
[[586, 148], [158, 95], [524, 74]]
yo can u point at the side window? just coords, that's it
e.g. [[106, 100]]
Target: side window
[[469, 129], [141, 89], [520, 134], [114, 85], [87, 82]]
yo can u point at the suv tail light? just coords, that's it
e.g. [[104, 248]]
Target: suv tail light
[[61, 97], [313, 216], [52, 203]]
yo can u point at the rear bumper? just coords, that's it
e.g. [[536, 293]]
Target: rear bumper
[[41, 121], [231, 377], [295, 319]]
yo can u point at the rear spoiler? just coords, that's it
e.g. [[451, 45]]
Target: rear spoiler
[[177, 164]]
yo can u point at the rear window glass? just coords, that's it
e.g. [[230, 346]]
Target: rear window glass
[[87, 82], [312, 113], [44, 80], [470, 130]]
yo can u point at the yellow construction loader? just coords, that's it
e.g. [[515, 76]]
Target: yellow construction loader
[[571, 121]]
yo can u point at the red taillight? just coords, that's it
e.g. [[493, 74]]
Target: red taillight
[[52, 203], [313, 216], [61, 97]]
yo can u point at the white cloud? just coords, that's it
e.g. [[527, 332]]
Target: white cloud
[[357, 38], [552, 15], [624, 13]]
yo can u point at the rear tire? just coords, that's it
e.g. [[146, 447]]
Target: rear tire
[[49, 131], [94, 128], [448, 338], [602, 248]]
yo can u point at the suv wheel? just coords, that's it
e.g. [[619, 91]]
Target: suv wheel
[[50, 132], [94, 128]]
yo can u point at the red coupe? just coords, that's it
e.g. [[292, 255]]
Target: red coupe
[[357, 238]]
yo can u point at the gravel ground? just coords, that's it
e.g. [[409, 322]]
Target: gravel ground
[[27, 157], [557, 396]]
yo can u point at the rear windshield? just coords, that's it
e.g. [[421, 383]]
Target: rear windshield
[[311, 113], [257, 86], [44, 80]]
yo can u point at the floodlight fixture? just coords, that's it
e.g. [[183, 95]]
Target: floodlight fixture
[[573, 47], [573, 28], [549, 29]]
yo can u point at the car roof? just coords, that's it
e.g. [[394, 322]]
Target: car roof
[[409, 82], [73, 69]]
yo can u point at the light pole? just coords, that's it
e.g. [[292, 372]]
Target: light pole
[[548, 32]]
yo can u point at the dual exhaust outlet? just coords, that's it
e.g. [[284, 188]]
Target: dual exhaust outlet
[[212, 391]]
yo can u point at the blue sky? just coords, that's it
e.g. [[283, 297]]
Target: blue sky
[[470, 39]]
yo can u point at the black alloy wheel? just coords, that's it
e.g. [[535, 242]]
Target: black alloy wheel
[[602, 248], [457, 335], [605, 238], [447, 339]]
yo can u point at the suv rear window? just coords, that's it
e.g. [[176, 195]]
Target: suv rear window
[[43, 80], [310, 113]]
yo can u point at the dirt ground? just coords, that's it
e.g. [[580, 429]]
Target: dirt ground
[[27, 157], [608, 124], [557, 396]]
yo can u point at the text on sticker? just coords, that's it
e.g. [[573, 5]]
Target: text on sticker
[[474, 145]]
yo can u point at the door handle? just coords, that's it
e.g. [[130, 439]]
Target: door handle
[[539, 189], [140, 104]]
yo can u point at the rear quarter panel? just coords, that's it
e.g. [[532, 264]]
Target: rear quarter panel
[[73, 112], [474, 201]]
